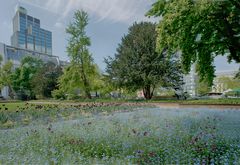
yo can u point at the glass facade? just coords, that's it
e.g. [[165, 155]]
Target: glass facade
[[15, 55], [27, 33]]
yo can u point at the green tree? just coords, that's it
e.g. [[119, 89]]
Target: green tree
[[81, 72], [137, 65], [237, 76], [200, 30], [71, 81], [45, 79], [22, 77], [203, 88], [5, 75], [229, 82]]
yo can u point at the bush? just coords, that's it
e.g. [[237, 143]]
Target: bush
[[3, 118], [58, 94]]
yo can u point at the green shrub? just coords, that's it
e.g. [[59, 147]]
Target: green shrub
[[58, 94], [3, 118]]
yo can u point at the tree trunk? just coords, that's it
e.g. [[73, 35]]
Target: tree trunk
[[86, 87], [85, 80], [147, 92], [11, 94], [87, 90]]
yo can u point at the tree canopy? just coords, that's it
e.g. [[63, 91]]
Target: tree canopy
[[137, 65], [82, 71], [22, 77], [200, 30], [5, 75], [45, 79]]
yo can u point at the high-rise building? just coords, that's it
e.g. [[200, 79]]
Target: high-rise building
[[28, 39], [28, 34]]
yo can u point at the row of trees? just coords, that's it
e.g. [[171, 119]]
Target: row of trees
[[149, 56], [136, 65], [31, 79]]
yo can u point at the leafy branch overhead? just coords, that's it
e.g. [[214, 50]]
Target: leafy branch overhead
[[200, 30]]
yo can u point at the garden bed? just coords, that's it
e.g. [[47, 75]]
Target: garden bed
[[123, 135]]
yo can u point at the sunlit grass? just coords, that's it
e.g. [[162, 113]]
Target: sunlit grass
[[11, 106]]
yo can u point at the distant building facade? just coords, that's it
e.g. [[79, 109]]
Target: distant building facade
[[218, 86], [28, 34], [28, 39], [16, 54], [190, 82]]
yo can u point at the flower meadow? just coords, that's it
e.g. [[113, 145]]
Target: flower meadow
[[119, 134]]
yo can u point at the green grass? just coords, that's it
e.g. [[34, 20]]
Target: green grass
[[11, 106]]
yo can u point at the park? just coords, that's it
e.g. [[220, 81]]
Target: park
[[137, 111]]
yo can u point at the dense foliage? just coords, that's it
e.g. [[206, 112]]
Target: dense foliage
[[82, 71], [5, 76], [45, 79], [229, 82], [71, 85], [202, 88], [137, 65], [200, 30], [23, 76]]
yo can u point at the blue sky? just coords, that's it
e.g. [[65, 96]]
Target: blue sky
[[109, 21]]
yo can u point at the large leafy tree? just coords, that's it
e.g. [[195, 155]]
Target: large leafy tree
[[229, 82], [200, 30], [5, 75], [45, 80], [22, 77], [71, 81], [137, 65], [81, 72]]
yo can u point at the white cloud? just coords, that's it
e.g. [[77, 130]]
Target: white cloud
[[124, 11], [59, 25]]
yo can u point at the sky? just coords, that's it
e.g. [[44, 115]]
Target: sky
[[109, 21]]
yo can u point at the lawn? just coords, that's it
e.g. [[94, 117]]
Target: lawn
[[115, 133], [11, 106]]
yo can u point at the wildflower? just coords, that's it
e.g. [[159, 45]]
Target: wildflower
[[139, 152], [145, 133], [134, 131], [151, 154]]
